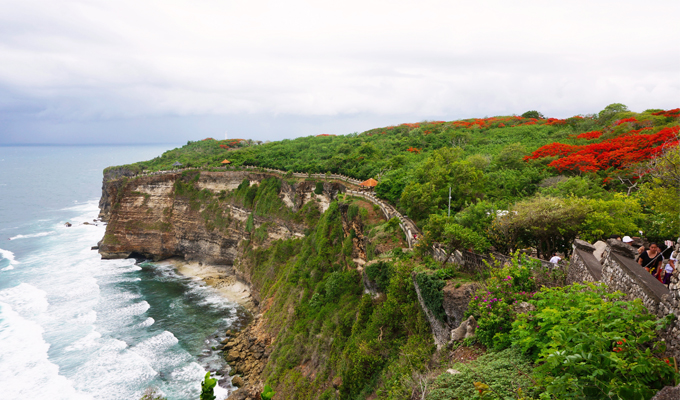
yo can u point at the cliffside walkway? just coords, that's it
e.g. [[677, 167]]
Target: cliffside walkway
[[407, 225]]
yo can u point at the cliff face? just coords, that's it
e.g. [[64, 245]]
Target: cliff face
[[147, 218]]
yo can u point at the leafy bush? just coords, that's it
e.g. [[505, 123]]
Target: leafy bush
[[431, 291], [589, 344], [493, 306], [208, 387], [506, 373], [319, 188], [267, 393], [380, 273]]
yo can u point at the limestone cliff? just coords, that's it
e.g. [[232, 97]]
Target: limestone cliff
[[148, 218]]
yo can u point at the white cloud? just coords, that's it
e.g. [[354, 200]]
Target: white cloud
[[90, 60]]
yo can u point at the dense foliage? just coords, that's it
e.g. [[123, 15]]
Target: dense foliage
[[325, 321], [589, 344], [502, 375]]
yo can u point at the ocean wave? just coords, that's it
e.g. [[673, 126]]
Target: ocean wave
[[25, 359], [9, 256], [90, 340], [114, 372], [32, 235], [25, 299], [161, 352], [147, 322], [90, 205]]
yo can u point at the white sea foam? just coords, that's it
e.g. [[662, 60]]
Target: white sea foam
[[90, 340], [114, 372], [25, 299], [147, 322], [9, 256], [133, 309], [87, 318], [24, 359], [32, 235], [156, 348]]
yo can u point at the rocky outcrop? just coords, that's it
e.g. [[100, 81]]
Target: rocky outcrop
[[147, 219], [353, 227], [247, 353], [457, 296], [455, 303]]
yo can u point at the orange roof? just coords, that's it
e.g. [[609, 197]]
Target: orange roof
[[226, 161], [369, 183]]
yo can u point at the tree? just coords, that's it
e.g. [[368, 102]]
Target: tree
[[511, 157], [208, 387], [429, 189], [609, 113], [549, 223], [533, 114], [445, 231]]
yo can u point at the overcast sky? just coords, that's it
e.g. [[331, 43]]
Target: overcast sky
[[94, 71]]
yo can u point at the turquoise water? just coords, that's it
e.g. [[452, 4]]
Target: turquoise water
[[73, 326]]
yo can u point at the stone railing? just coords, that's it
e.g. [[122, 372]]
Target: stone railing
[[407, 226], [306, 175], [338, 177], [619, 271]]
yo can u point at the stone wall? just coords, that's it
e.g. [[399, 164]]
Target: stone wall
[[619, 271], [583, 266]]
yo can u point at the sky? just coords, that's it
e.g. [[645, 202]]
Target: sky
[[165, 71]]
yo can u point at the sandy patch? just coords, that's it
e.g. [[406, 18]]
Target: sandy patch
[[219, 277]]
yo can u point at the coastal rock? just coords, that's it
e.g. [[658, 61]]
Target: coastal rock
[[68, 225], [524, 307], [237, 381], [233, 355]]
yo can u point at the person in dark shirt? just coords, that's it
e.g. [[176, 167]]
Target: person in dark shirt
[[651, 259]]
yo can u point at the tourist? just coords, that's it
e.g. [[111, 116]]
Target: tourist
[[651, 259], [640, 250], [670, 267], [627, 239], [555, 259]]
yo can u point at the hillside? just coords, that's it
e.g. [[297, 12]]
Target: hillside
[[491, 164], [348, 309]]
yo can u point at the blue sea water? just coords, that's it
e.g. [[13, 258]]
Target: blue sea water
[[73, 326]]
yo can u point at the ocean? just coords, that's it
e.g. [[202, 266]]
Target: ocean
[[73, 326]]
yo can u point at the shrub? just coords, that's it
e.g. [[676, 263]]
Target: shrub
[[590, 344], [431, 291], [267, 393], [319, 188], [380, 273], [506, 373], [208, 387], [493, 306]]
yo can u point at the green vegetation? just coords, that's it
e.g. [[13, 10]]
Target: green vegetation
[[514, 182], [589, 344], [267, 393], [502, 375], [208, 387], [335, 328]]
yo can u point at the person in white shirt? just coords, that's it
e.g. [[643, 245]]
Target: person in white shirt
[[555, 259], [670, 267]]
